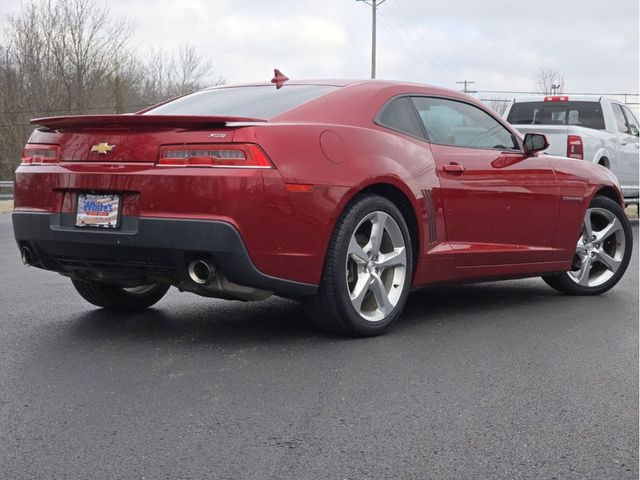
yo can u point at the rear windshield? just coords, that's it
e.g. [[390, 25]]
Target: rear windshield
[[581, 114], [255, 102]]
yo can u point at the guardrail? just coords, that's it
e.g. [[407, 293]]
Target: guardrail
[[4, 186]]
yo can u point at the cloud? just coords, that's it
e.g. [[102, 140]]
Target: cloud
[[497, 43], [309, 46]]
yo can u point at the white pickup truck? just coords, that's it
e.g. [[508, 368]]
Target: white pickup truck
[[597, 129]]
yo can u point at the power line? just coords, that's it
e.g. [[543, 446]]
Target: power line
[[408, 48], [574, 93], [432, 67], [421, 37], [466, 84]]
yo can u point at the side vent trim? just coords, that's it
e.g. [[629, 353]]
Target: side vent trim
[[432, 229]]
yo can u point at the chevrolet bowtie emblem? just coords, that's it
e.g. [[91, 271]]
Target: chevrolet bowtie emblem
[[102, 148]]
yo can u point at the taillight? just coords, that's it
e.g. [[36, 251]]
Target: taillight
[[245, 155], [574, 147], [34, 154], [556, 99]]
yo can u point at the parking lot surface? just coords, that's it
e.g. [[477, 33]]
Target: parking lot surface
[[496, 380]]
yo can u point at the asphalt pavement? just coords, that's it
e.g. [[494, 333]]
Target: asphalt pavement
[[506, 380]]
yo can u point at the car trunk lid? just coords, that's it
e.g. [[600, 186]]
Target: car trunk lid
[[134, 138]]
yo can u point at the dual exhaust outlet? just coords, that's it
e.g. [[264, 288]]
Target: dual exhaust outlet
[[26, 256]]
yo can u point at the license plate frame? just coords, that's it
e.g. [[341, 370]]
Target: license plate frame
[[98, 210]]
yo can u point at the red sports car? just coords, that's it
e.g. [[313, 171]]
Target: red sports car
[[346, 195]]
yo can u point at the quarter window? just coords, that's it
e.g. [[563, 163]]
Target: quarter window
[[401, 116], [621, 122], [449, 122], [631, 119]]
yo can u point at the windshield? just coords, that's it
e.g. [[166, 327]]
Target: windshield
[[254, 102], [581, 114]]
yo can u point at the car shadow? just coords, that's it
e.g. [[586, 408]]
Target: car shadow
[[275, 320], [280, 321], [471, 296]]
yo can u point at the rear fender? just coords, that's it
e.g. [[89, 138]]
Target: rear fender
[[604, 153]]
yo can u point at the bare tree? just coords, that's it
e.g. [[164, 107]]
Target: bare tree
[[64, 50], [86, 42], [167, 75], [61, 57], [13, 125], [498, 105], [548, 81]]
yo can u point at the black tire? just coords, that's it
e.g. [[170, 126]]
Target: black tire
[[113, 297], [331, 310], [564, 281]]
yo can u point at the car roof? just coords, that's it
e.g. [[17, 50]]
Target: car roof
[[331, 82], [365, 97], [342, 82]]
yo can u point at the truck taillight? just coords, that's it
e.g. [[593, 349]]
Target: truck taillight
[[575, 147], [36, 154], [555, 98], [214, 155]]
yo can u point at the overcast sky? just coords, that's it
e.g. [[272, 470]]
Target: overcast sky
[[498, 44]]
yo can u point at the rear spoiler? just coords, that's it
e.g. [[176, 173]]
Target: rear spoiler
[[127, 120]]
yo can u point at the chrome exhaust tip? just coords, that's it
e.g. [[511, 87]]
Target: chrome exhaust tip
[[25, 254], [201, 271]]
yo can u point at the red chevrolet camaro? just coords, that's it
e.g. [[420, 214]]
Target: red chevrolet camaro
[[346, 195]]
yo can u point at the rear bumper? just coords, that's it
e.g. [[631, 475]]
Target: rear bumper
[[143, 249]]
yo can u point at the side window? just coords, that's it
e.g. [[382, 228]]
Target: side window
[[400, 115], [621, 122], [631, 120], [449, 122]]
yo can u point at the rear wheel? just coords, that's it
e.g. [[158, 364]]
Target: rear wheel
[[367, 272], [120, 298], [602, 253]]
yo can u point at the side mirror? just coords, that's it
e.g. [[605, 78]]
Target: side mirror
[[535, 142], [633, 130]]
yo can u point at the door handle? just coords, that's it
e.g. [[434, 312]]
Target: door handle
[[453, 168]]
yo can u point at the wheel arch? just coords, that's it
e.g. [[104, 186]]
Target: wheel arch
[[610, 193], [605, 162], [602, 154], [400, 199]]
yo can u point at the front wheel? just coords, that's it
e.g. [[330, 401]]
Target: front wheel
[[603, 251], [120, 298], [367, 272]]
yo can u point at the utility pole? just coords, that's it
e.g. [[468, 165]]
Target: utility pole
[[374, 4], [466, 84]]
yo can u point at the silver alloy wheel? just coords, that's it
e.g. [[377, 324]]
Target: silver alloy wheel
[[376, 266], [600, 249], [139, 290]]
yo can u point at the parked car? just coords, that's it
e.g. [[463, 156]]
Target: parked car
[[597, 129], [346, 195]]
